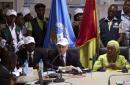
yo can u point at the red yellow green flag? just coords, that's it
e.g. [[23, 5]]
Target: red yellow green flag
[[86, 40]]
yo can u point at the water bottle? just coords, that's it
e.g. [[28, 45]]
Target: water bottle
[[41, 66], [25, 69]]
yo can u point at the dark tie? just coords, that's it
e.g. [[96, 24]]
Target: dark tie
[[30, 60], [62, 61]]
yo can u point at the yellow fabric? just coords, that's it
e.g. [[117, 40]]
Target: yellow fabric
[[89, 46], [87, 52], [115, 44], [102, 60]]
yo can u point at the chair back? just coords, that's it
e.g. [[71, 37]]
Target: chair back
[[123, 51]]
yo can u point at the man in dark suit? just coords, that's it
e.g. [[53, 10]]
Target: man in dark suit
[[31, 54], [62, 57]]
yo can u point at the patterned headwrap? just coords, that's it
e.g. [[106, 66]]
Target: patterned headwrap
[[114, 44]]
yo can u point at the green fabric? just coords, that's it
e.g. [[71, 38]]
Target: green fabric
[[40, 23], [102, 60], [17, 29], [29, 26], [7, 33]]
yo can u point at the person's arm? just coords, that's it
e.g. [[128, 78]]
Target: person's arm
[[121, 33], [99, 63], [11, 81], [121, 62], [101, 43], [113, 66]]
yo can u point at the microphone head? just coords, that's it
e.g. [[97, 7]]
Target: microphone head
[[102, 69], [124, 70], [88, 70]]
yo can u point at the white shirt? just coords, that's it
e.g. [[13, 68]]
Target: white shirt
[[64, 58], [14, 36], [126, 26], [32, 54], [110, 23]]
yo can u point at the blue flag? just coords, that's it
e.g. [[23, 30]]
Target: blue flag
[[59, 25]]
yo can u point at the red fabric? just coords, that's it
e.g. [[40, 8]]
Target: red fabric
[[88, 24]]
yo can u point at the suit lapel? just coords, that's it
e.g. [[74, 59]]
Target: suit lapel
[[7, 32]]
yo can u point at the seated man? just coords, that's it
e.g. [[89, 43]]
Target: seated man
[[7, 65], [62, 57], [30, 54], [110, 60]]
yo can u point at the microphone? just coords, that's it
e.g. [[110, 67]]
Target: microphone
[[40, 77], [54, 59], [109, 79], [124, 69], [57, 76], [52, 67], [93, 61]]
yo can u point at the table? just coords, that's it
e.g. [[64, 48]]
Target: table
[[93, 78], [99, 78]]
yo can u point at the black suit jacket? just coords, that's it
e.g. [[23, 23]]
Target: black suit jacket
[[4, 75], [72, 58], [22, 57]]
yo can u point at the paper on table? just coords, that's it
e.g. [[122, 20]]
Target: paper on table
[[17, 72]]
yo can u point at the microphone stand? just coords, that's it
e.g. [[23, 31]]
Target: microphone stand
[[109, 79], [59, 74], [51, 64], [92, 60], [59, 77], [40, 77]]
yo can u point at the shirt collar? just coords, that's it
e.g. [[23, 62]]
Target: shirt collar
[[111, 20], [39, 20], [30, 53], [64, 55], [122, 13], [12, 28], [13, 25]]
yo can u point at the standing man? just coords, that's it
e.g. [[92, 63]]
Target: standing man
[[12, 32], [38, 25], [125, 17], [78, 13], [27, 18], [109, 27]]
